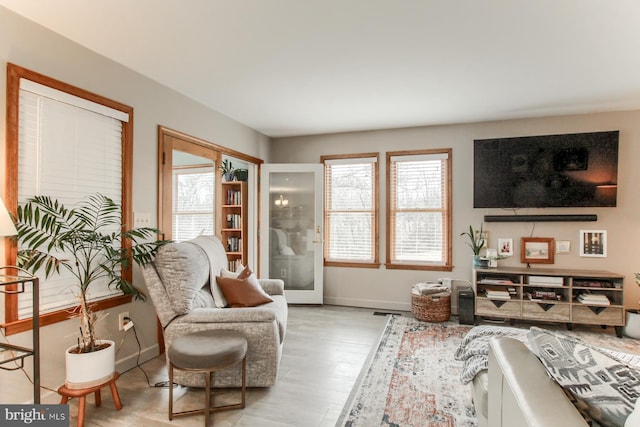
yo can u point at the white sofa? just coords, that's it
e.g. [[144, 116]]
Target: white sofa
[[517, 391], [179, 284], [520, 393]]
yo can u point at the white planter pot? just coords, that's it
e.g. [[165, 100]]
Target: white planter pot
[[632, 325], [90, 369]]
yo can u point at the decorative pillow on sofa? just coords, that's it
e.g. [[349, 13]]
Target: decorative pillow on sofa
[[184, 271], [233, 274], [604, 385], [243, 291]]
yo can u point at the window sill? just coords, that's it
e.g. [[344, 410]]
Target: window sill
[[22, 325], [409, 266], [351, 264]]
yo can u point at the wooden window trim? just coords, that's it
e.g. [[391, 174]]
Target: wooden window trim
[[14, 73], [169, 139], [376, 213], [448, 266]]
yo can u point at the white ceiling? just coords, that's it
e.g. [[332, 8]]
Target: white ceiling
[[300, 67]]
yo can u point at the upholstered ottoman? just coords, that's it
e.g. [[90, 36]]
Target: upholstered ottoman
[[206, 352]]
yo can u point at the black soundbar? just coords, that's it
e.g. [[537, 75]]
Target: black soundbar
[[539, 218]]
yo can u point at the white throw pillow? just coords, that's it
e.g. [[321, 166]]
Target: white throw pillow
[[232, 274], [286, 250], [216, 292]]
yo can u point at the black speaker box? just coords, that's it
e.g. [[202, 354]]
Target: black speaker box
[[466, 306]]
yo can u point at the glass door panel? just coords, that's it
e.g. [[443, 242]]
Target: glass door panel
[[291, 229]]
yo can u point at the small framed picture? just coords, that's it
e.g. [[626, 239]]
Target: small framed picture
[[563, 246], [537, 250], [593, 243], [484, 236], [505, 246]]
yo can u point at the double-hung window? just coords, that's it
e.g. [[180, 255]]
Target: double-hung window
[[419, 209], [65, 143], [193, 202], [351, 210]]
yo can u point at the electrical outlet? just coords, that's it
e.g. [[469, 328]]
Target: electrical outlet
[[283, 273], [122, 321], [142, 219]]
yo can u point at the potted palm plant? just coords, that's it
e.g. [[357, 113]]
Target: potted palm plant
[[90, 243]]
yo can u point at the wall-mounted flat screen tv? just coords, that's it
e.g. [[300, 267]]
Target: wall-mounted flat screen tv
[[571, 170]]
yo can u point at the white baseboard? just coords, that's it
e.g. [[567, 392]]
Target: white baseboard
[[129, 362], [368, 303]]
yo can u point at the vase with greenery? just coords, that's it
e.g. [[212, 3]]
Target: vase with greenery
[[227, 170], [476, 243], [87, 240], [241, 174]]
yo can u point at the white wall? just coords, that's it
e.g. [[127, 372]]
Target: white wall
[[31, 46], [382, 288]]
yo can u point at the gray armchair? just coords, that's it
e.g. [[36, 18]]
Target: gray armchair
[[179, 284]]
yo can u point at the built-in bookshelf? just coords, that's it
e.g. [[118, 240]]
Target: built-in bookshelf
[[234, 222], [550, 295]]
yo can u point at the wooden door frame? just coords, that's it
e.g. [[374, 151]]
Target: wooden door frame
[[168, 140]]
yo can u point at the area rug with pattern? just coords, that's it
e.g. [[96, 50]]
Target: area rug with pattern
[[412, 379]]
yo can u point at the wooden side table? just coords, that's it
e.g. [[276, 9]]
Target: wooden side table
[[82, 393]]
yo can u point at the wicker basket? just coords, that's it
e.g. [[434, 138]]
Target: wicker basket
[[431, 308]]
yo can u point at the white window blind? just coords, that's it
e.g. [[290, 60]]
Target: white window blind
[[68, 149], [419, 208], [193, 202], [350, 210]]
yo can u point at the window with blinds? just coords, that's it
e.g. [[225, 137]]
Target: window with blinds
[[193, 202], [351, 209], [68, 148], [419, 209]]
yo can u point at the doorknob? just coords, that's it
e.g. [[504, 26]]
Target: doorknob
[[318, 238]]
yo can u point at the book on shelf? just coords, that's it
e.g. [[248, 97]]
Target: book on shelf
[[546, 280], [235, 264], [592, 284], [234, 197], [234, 221], [495, 294], [540, 296], [593, 299], [489, 281], [234, 244]]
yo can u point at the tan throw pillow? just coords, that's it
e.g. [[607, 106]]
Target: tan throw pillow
[[243, 291]]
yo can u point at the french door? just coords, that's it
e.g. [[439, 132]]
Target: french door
[[291, 233]]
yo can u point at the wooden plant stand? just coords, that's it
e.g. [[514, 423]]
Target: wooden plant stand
[[82, 393]]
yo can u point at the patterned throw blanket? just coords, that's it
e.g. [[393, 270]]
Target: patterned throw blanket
[[602, 383], [474, 348]]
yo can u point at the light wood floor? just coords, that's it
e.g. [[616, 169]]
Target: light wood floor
[[324, 351]]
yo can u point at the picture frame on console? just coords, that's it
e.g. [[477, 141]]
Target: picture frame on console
[[563, 246], [505, 246], [593, 243], [537, 250]]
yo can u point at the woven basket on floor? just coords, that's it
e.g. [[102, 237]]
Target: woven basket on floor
[[431, 308]]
